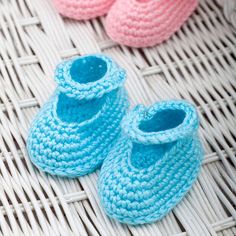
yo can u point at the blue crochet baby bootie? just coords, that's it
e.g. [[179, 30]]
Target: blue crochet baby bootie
[[154, 163], [75, 130]]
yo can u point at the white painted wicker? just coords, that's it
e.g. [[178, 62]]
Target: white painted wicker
[[198, 64]]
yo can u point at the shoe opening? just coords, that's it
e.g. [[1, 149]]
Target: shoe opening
[[88, 69], [163, 120], [89, 77]]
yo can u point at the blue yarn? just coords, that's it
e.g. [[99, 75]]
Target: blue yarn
[[155, 162], [75, 130]]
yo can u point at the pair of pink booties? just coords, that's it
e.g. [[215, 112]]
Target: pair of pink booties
[[135, 23]]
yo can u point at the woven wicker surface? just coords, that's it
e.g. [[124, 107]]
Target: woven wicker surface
[[197, 64]]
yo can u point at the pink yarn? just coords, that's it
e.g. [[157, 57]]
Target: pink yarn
[[83, 9], [143, 23]]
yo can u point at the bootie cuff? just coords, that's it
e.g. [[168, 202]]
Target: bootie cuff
[[89, 77], [163, 122]]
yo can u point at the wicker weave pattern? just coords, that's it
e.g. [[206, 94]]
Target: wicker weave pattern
[[197, 64]]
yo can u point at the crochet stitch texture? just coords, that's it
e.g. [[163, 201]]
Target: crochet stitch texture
[[83, 9], [75, 130], [143, 23], [154, 163]]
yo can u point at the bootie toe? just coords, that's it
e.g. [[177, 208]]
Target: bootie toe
[[75, 130], [143, 23], [154, 163], [83, 9]]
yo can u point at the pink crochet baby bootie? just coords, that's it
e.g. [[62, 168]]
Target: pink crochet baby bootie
[[143, 23], [83, 9]]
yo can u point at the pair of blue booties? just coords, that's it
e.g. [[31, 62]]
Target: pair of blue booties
[[150, 156]]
